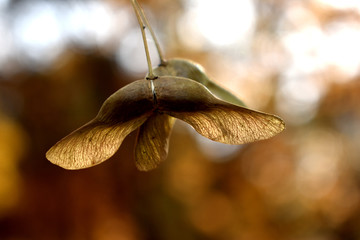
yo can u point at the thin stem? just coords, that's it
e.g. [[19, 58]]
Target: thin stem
[[151, 75], [158, 48]]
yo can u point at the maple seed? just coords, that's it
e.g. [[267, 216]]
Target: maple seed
[[133, 107], [177, 88]]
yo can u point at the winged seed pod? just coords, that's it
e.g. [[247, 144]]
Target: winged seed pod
[[189, 69], [151, 106], [178, 88]]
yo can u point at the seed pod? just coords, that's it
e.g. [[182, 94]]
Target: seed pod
[[152, 105], [188, 69]]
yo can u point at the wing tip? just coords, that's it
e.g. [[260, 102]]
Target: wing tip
[[145, 167], [56, 160], [147, 162]]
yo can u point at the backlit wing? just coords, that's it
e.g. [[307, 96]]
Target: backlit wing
[[121, 113], [232, 125], [91, 144], [153, 141], [213, 118]]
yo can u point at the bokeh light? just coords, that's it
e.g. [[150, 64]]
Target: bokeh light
[[59, 60], [38, 32], [319, 157], [131, 55], [93, 23], [219, 23], [341, 5]]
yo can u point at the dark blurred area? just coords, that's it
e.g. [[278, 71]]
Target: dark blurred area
[[59, 60]]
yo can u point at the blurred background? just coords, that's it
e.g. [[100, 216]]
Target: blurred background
[[59, 60]]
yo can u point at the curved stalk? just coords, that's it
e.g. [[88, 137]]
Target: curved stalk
[[158, 48], [151, 75]]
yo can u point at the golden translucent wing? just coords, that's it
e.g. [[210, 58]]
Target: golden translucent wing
[[232, 125], [91, 144], [153, 141], [217, 120], [121, 113]]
